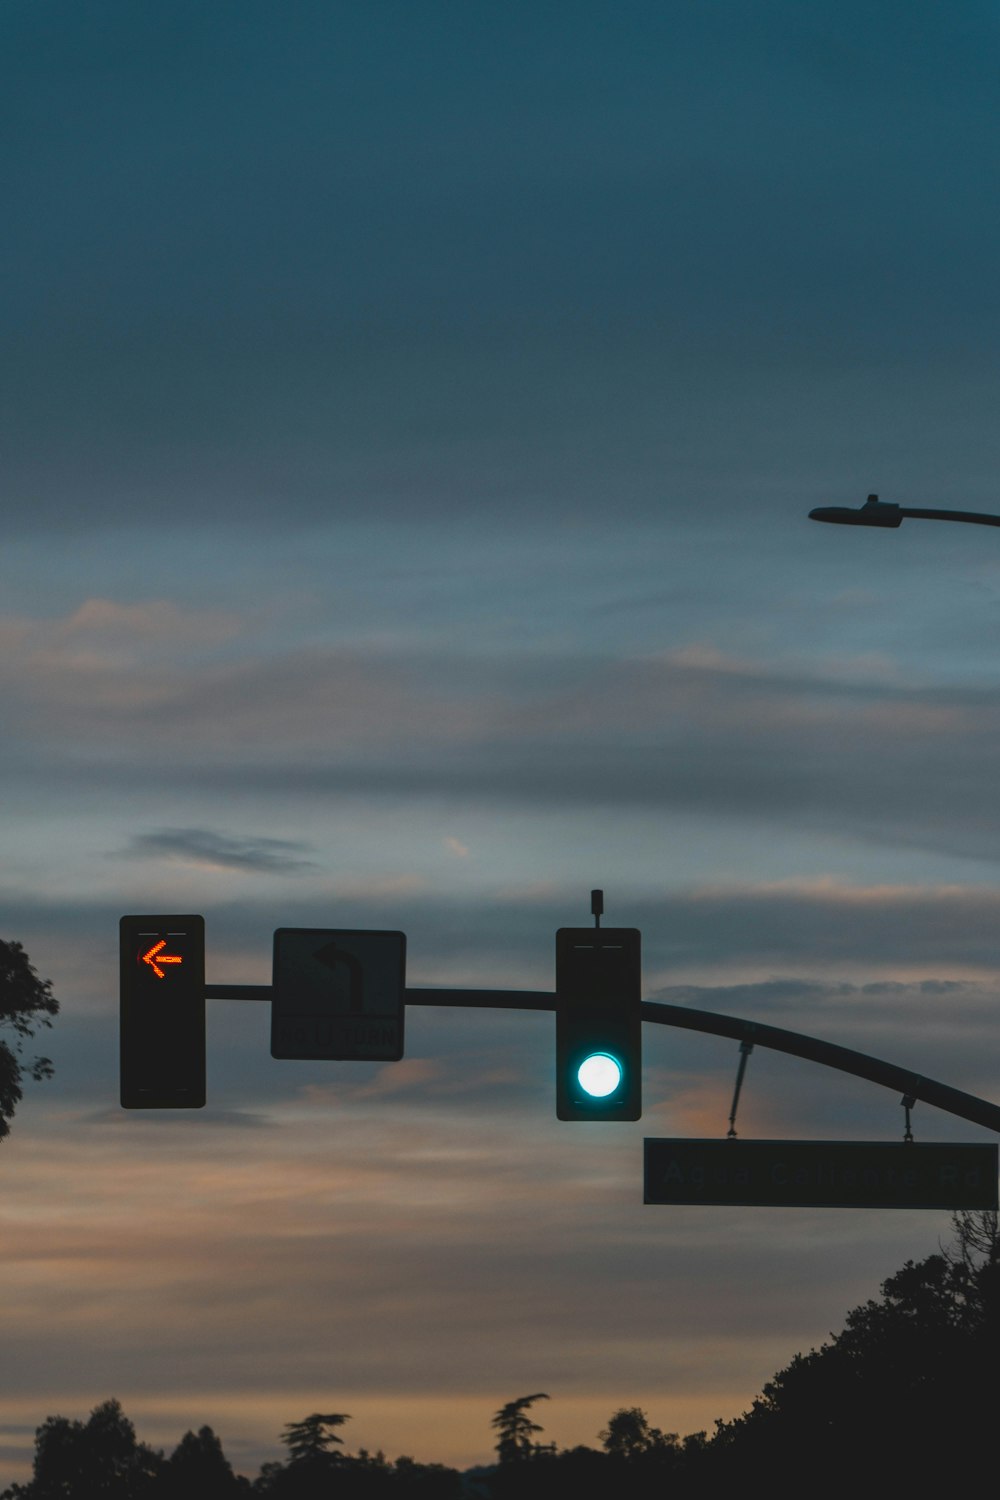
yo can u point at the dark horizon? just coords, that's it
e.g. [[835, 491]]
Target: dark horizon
[[890, 1395]]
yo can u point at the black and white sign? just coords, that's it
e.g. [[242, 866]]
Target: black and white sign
[[821, 1174], [338, 994]]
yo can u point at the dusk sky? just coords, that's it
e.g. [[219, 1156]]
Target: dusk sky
[[411, 413]]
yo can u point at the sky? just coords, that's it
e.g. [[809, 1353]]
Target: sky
[[411, 414]]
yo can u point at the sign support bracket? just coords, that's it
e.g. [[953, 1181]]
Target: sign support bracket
[[745, 1050]]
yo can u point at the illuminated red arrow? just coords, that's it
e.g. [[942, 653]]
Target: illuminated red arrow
[[155, 958]]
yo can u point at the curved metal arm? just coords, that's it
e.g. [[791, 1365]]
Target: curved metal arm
[[830, 1054], [978, 517], [876, 512]]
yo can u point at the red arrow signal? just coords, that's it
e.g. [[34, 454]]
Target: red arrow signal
[[155, 958]]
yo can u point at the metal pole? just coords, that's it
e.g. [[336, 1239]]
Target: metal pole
[[844, 1059]]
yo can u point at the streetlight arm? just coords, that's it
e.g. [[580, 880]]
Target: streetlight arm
[[876, 512], [978, 517]]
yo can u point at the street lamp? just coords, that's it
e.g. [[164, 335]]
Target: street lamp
[[876, 512]]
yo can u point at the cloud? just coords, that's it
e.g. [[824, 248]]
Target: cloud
[[412, 1074], [831, 750], [236, 1119], [105, 634], [153, 678], [838, 931], [219, 851], [456, 847], [954, 1015]]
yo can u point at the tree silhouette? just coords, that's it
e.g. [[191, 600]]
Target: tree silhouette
[[25, 1002], [307, 1440], [904, 1392], [514, 1429], [310, 1470], [628, 1434], [413, 1481], [902, 1400], [199, 1470], [99, 1458]]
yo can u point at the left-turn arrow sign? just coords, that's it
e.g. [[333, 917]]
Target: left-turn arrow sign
[[155, 958]]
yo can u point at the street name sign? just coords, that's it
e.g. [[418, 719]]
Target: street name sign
[[338, 994], [821, 1174]]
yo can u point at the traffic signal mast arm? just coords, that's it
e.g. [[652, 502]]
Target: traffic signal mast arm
[[844, 1059]]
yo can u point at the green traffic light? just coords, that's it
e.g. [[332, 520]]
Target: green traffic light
[[599, 1075], [598, 1023]]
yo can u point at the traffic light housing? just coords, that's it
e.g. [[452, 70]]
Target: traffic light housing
[[162, 1012], [598, 1023]]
